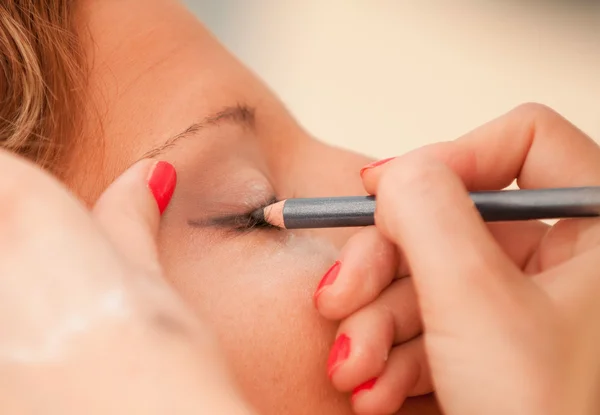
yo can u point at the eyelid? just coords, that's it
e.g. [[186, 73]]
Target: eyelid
[[238, 221]]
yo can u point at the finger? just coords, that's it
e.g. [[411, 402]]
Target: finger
[[457, 267], [52, 261], [531, 143], [567, 239], [519, 240], [370, 333], [575, 285], [368, 264], [34, 206], [519, 250], [129, 210], [406, 374]]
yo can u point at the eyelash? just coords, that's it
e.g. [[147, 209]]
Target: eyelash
[[245, 222]]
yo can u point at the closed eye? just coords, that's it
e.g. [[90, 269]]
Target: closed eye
[[239, 222]]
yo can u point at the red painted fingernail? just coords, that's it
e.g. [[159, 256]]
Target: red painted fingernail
[[368, 385], [339, 352], [162, 183], [328, 278], [375, 164]]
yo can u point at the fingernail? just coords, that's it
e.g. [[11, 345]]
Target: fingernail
[[368, 385], [339, 352], [162, 183], [328, 278], [375, 164]]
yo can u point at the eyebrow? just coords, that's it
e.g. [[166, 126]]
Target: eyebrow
[[240, 114]]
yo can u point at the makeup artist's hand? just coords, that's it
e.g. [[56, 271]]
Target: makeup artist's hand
[[87, 324], [511, 311]]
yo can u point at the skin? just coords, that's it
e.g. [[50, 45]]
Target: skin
[[518, 301], [152, 75], [94, 316], [92, 326], [156, 72], [143, 350], [512, 306]]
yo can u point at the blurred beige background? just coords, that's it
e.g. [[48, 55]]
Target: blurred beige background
[[382, 77]]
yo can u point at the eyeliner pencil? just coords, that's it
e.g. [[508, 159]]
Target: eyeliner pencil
[[493, 206]]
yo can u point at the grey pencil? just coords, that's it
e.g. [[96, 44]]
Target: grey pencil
[[494, 206]]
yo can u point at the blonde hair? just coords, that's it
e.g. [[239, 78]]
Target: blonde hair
[[41, 76]]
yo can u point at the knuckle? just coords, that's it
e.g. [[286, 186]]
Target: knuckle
[[413, 178], [30, 198], [24, 206], [478, 271], [335, 305], [372, 254], [400, 296], [358, 243], [19, 195], [401, 302], [534, 110], [386, 315], [416, 173], [332, 309], [391, 400], [412, 169]]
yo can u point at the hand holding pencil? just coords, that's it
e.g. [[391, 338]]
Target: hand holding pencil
[[517, 301]]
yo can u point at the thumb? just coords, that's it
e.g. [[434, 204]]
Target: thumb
[[129, 210], [463, 278]]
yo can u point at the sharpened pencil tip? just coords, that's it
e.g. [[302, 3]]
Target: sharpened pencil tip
[[273, 214]]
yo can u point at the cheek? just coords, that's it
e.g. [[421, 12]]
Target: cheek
[[259, 300]]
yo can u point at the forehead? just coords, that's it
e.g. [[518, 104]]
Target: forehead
[[154, 71]]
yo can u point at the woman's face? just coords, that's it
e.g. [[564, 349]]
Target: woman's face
[[161, 85]]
